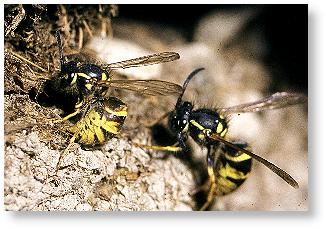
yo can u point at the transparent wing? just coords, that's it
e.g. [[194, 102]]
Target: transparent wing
[[275, 101], [146, 87], [144, 60], [281, 173]]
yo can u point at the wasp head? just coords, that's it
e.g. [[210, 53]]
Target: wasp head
[[179, 118]]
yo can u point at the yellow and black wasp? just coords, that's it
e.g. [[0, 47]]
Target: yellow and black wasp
[[208, 127], [84, 86]]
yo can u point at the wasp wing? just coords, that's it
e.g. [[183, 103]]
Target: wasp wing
[[281, 173], [275, 101], [146, 87], [156, 58]]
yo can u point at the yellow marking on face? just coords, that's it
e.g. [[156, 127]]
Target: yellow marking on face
[[229, 171], [242, 157], [196, 124], [84, 75], [185, 130], [89, 86], [104, 76], [219, 128], [74, 79], [224, 132], [123, 112]]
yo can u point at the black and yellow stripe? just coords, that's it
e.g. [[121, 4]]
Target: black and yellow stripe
[[102, 121], [232, 169]]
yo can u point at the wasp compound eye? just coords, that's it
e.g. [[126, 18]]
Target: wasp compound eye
[[69, 67], [179, 121]]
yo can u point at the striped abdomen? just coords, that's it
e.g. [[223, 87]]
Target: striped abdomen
[[102, 121], [232, 169]]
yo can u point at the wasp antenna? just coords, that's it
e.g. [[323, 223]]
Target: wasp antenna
[[58, 36], [185, 84]]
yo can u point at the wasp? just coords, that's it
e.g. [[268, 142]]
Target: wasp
[[208, 128], [97, 117]]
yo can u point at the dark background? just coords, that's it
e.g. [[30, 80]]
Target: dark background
[[284, 26]]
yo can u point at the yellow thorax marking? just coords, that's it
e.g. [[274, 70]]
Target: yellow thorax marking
[[74, 79], [224, 132], [84, 75], [196, 124], [104, 76], [219, 128]]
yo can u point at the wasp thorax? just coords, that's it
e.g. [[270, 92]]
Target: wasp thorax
[[92, 71]]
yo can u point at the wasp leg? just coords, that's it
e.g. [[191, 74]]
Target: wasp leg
[[172, 148], [78, 108], [65, 118], [212, 188]]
